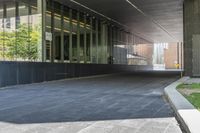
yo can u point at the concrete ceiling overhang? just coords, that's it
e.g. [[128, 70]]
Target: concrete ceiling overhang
[[154, 20]]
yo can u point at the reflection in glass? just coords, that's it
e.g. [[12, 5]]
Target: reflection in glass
[[20, 31], [9, 49], [35, 33], [87, 30], [66, 30], [70, 36], [1, 33], [99, 43], [23, 36], [94, 47], [48, 31], [82, 31], [57, 31], [74, 35]]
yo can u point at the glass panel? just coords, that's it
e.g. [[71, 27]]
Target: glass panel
[[22, 38], [87, 29], [99, 43], [114, 33], [9, 46], [117, 54], [48, 31], [20, 31], [57, 30], [109, 50], [105, 45], [74, 35], [1, 32], [35, 32], [82, 31], [66, 34], [94, 48]]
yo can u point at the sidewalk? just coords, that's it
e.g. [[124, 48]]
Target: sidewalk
[[185, 111]]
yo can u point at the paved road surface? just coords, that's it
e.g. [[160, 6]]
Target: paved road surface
[[125, 103]]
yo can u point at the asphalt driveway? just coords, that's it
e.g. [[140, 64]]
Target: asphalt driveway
[[125, 103]]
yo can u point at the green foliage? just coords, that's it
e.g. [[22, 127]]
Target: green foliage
[[195, 100], [20, 44], [189, 86]]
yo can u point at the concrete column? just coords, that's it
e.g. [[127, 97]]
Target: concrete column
[[191, 28]]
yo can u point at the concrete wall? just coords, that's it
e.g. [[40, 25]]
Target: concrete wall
[[13, 73], [191, 27]]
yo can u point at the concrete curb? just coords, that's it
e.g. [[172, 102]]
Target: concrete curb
[[185, 111]]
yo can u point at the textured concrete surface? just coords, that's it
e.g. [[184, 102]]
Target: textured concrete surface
[[191, 24], [123, 103], [192, 80]]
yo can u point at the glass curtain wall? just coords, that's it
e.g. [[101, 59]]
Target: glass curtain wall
[[99, 31], [94, 41], [9, 21], [57, 32], [35, 30], [74, 36], [102, 42], [23, 31], [110, 44], [88, 38], [82, 34], [117, 53], [46, 30], [1, 32], [130, 49], [20, 30], [105, 43], [70, 34], [114, 43], [66, 30]]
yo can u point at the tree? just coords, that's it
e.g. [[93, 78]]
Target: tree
[[21, 44]]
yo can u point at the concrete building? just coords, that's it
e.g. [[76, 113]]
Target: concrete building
[[114, 42], [83, 32], [59, 34]]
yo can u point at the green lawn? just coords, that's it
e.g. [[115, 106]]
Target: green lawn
[[193, 98], [189, 86]]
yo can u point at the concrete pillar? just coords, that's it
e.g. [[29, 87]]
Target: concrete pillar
[[191, 29]]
